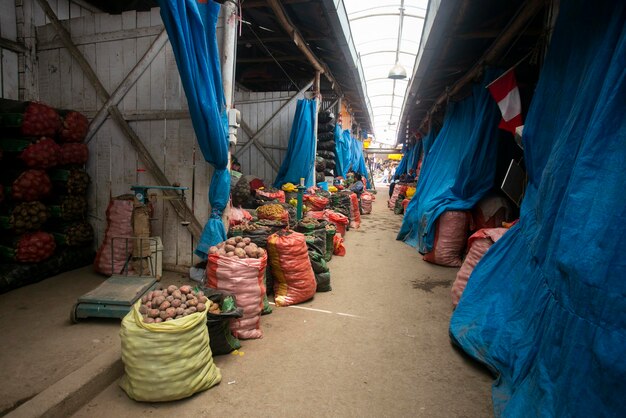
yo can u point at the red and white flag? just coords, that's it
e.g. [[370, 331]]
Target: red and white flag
[[504, 90]]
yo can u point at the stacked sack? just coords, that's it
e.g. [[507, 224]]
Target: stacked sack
[[43, 184], [325, 162]]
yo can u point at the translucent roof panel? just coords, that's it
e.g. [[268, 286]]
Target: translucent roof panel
[[375, 29]]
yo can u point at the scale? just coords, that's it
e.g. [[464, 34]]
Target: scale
[[117, 294]]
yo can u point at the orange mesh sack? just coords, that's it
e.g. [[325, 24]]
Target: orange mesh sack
[[450, 236], [242, 277], [354, 210], [294, 280]]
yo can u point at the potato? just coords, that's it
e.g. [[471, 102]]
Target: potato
[[199, 293], [186, 289], [230, 254], [229, 248], [250, 252], [169, 319], [260, 253], [144, 299], [157, 320], [176, 303], [239, 252], [156, 293], [177, 294], [240, 245], [150, 294], [170, 298], [186, 312], [148, 320], [156, 302], [179, 311], [162, 314], [247, 240], [193, 309], [171, 288], [171, 312], [143, 309], [222, 253], [153, 313], [231, 241], [192, 302], [183, 298], [213, 250], [201, 307], [183, 305], [165, 305], [202, 299]]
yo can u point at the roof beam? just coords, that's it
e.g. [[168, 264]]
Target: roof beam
[[270, 59], [292, 31], [262, 3]]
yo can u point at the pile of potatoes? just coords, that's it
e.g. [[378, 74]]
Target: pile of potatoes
[[238, 247], [172, 303]]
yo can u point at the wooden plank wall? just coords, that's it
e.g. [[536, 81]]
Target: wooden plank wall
[[8, 59], [256, 109], [113, 164]]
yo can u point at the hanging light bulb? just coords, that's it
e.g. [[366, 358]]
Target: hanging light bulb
[[397, 72]]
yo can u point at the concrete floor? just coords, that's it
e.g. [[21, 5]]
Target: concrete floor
[[377, 345]]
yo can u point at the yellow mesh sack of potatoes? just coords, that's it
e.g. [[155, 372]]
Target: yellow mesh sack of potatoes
[[166, 361]]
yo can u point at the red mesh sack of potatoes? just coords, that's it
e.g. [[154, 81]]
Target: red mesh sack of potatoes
[[31, 185], [34, 247], [354, 211], [294, 279], [450, 236], [241, 275], [40, 120], [74, 154], [119, 215], [338, 219], [316, 203], [75, 127], [44, 153]]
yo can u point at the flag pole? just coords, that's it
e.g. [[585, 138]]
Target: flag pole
[[512, 68]]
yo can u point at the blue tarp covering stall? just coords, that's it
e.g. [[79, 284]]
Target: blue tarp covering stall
[[458, 169], [545, 309], [299, 161], [410, 157], [343, 154], [191, 29]]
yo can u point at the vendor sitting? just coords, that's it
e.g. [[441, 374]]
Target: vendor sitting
[[410, 178], [357, 187]]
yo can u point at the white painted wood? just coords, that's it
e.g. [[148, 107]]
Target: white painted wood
[[10, 88]]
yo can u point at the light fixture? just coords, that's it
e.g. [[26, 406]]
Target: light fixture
[[397, 72]]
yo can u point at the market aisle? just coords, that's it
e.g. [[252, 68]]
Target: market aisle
[[377, 345]]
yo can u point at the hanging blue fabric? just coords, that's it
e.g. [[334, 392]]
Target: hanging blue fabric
[[361, 167], [414, 156], [344, 152], [339, 152], [191, 26], [299, 161], [402, 165], [545, 308], [459, 168]]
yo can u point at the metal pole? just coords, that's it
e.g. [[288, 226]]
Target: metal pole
[[318, 103], [229, 57]]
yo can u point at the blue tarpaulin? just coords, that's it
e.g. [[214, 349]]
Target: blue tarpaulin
[[459, 167], [191, 26], [361, 167], [403, 164], [545, 309], [299, 161], [410, 157], [343, 151]]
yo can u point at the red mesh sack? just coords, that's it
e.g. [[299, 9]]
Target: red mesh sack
[[338, 247], [400, 189], [34, 247], [44, 153], [315, 203], [294, 280], [269, 196], [74, 154], [75, 127], [242, 277], [354, 209], [478, 245], [450, 235], [31, 185], [40, 120], [119, 224], [338, 219]]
